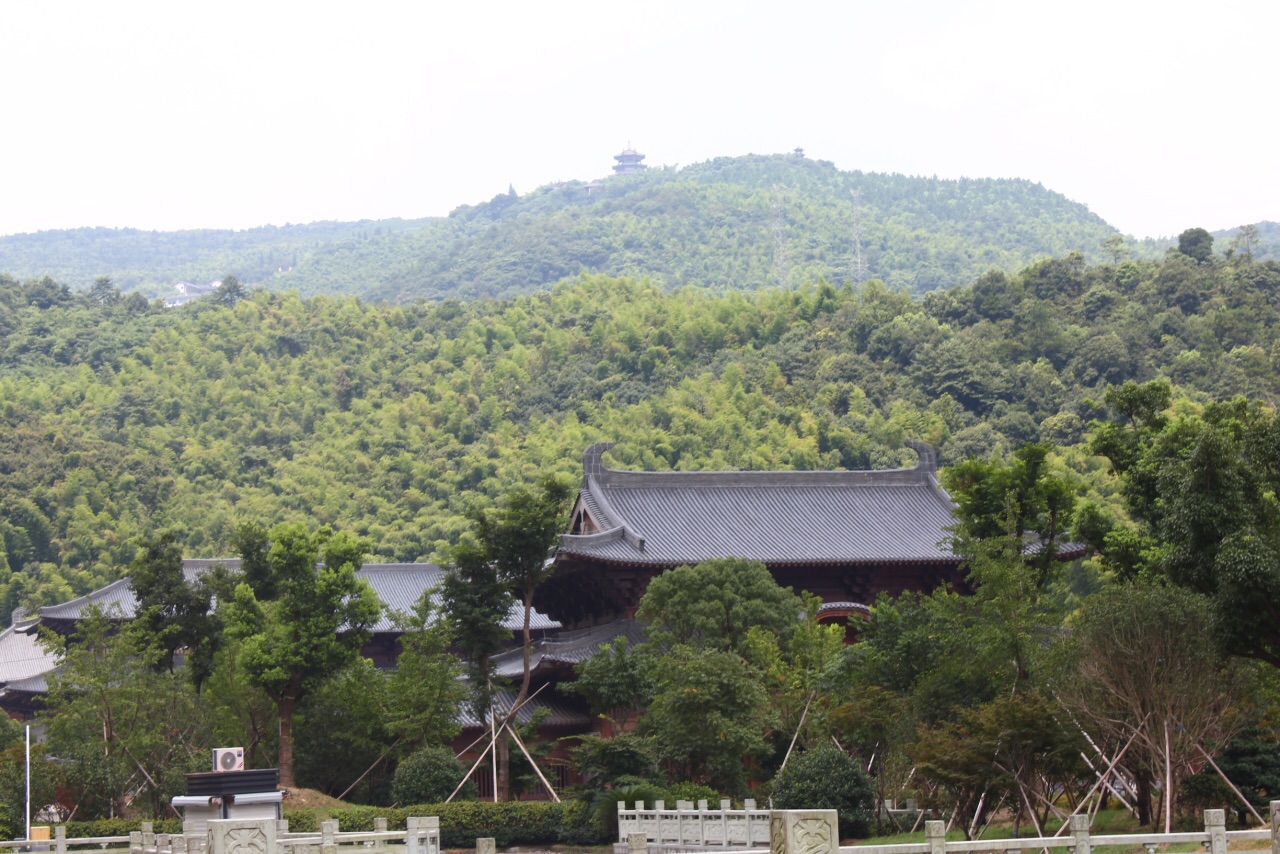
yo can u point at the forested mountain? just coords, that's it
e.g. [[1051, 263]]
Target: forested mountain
[[118, 418], [739, 223], [154, 261]]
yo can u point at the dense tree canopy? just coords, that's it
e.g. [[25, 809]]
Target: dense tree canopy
[[120, 419]]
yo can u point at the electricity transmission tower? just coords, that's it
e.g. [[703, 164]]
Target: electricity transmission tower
[[780, 265], [859, 259]]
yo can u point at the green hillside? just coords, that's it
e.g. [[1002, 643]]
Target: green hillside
[[118, 418], [153, 261], [739, 223]]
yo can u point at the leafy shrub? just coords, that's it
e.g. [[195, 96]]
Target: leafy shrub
[[302, 821], [430, 776], [119, 827], [463, 822], [692, 792], [825, 778], [360, 819]]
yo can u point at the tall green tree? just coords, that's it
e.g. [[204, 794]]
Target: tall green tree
[[706, 630], [1197, 244], [314, 627], [518, 538], [174, 613], [506, 557]]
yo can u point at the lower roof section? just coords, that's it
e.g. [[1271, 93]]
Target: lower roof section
[[565, 649], [559, 712], [398, 586]]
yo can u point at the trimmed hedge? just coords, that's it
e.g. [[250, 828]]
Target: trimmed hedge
[[119, 826], [463, 822], [301, 821]]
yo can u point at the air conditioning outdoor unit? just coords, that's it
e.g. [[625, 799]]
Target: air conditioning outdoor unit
[[228, 759]]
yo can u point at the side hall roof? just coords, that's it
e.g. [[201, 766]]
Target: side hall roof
[[776, 517], [397, 585]]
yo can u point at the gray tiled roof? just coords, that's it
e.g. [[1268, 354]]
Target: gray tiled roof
[[35, 684], [560, 713], [398, 586], [828, 607], [779, 518], [569, 647], [21, 654]]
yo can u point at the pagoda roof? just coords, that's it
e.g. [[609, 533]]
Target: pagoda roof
[[776, 517]]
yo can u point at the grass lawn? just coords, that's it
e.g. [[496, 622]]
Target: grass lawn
[[1106, 823]]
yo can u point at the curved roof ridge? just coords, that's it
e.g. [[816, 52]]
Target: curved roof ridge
[[598, 497], [621, 478], [596, 475], [398, 567]]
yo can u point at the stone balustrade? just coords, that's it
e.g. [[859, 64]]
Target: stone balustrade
[[265, 836], [689, 827]]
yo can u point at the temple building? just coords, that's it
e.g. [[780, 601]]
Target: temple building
[[628, 161], [846, 536]]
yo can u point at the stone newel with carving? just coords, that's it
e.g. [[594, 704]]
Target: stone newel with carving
[[240, 836], [804, 832]]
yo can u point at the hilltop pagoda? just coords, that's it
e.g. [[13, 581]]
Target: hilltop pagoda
[[629, 161]]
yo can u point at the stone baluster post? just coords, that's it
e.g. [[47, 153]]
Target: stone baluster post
[[1275, 827], [413, 841], [135, 842], [1215, 824], [622, 805], [804, 832], [178, 844], [486, 845], [1079, 825], [935, 834], [60, 839], [431, 845], [191, 837], [328, 837]]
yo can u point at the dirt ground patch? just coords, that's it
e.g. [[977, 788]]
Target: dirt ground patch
[[311, 799]]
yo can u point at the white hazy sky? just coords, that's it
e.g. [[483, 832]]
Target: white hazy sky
[[1158, 115]]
